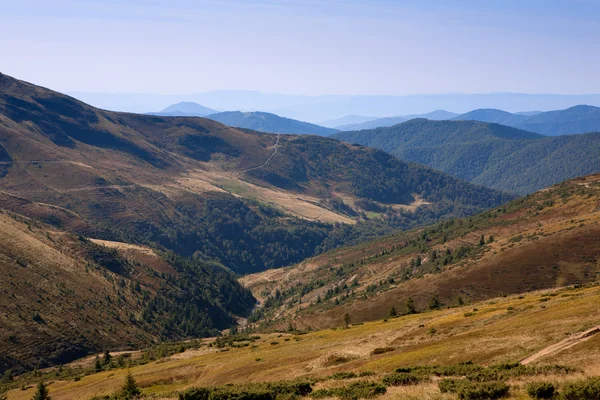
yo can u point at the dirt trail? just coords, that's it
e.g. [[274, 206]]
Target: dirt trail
[[275, 148], [562, 345]]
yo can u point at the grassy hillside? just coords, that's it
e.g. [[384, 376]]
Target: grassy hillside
[[577, 119], [488, 154], [206, 190], [497, 333], [538, 242], [266, 122], [64, 296]]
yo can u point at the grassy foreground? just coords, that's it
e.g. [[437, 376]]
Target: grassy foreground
[[502, 330]]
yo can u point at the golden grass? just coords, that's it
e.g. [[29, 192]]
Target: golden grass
[[503, 330]]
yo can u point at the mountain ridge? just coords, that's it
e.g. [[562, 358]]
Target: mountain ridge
[[268, 122], [489, 154]]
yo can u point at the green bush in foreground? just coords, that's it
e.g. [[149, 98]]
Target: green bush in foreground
[[588, 389], [401, 379], [354, 391], [259, 391], [467, 390], [343, 375], [540, 390]]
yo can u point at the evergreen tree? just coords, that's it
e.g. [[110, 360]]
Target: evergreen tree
[[130, 388], [347, 320], [482, 240], [393, 312], [410, 306], [41, 392], [107, 358], [491, 239], [434, 303], [97, 364]]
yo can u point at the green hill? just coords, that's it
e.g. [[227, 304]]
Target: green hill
[[266, 122], [577, 119], [488, 154]]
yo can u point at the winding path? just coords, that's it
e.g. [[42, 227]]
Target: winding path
[[275, 148], [562, 345]]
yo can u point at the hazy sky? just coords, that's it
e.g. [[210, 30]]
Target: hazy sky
[[304, 46]]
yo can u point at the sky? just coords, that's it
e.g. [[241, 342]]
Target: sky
[[308, 47]]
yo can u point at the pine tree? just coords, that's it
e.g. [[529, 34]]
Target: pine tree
[[107, 358], [130, 388], [41, 392], [97, 365], [434, 303], [410, 306], [481, 240], [393, 312], [347, 320]]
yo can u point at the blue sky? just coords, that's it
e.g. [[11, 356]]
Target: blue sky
[[304, 46]]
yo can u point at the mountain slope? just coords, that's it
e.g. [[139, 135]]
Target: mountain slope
[[266, 122], [493, 155], [206, 190], [185, 109], [537, 242], [436, 115], [577, 119], [345, 120], [376, 123], [492, 115], [65, 296]]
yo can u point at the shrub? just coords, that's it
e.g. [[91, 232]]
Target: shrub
[[259, 391], [354, 391], [401, 379], [482, 390], [449, 385], [467, 390], [540, 390], [588, 389], [381, 350], [343, 375]]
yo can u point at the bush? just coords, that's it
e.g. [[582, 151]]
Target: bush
[[540, 390], [482, 390], [354, 391], [588, 389], [381, 350], [343, 375], [401, 379], [259, 391], [449, 385], [467, 390]]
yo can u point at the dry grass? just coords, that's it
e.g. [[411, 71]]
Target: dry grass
[[494, 334]]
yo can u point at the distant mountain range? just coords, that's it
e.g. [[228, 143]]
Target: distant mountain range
[[577, 119], [321, 108], [391, 121], [266, 122], [346, 120], [185, 109], [489, 154]]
